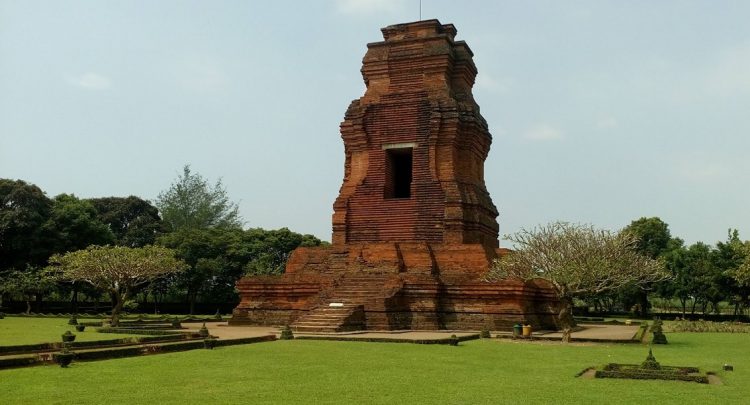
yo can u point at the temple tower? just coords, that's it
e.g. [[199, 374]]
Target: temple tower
[[414, 228], [415, 145]]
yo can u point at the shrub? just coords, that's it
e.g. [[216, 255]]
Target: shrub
[[72, 321], [63, 358], [485, 333], [454, 340], [80, 328], [286, 333], [209, 343], [701, 326], [68, 336]]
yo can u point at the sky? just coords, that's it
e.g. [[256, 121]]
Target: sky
[[601, 112]]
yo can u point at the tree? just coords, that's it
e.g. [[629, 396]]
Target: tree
[[73, 225], [118, 270], [191, 203], [266, 251], [29, 284], [653, 241], [24, 208], [219, 257], [742, 273], [577, 260], [133, 221]]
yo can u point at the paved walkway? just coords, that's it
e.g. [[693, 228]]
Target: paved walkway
[[588, 332], [599, 332]]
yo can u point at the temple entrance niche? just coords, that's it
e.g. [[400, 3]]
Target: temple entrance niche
[[398, 170], [414, 227]]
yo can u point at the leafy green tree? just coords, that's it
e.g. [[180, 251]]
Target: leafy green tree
[[653, 240], [24, 209], [204, 251], [30, 284], [733, 258], [191, 203], [219, 257], [73, 225], [577, 261], [133, 221], [268, 250], [117, 270]]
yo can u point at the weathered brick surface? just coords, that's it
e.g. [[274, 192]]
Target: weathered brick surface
[[416, 262]]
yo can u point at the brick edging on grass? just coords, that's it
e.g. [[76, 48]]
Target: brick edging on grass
[[438, 341], [128, 351]]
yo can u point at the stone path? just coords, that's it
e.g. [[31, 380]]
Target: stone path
[[600, 332], [588, 332]]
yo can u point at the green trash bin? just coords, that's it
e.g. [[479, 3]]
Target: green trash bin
[[517, 330]]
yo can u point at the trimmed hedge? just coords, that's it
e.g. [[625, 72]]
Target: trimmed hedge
[[24, 361], [132, 331], [45, 347], [651, 375], [636, 372]]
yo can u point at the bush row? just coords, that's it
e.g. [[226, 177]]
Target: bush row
[[706, 326], [651, 375], [138, 331], [42, 347], [637, 367], [117, 352], [24, 361]]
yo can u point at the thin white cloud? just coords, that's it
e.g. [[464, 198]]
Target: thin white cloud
[[90, 81], [543, 132], [368, 6]]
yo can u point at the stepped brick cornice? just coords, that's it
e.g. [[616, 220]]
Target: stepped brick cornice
[[418, 101]]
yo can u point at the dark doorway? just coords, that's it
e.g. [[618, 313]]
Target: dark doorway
[[398, 170]]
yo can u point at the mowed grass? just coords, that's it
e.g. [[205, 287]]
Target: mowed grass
[[24, 331], [318, 372]]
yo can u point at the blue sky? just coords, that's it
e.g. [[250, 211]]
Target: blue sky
[[602, 112]]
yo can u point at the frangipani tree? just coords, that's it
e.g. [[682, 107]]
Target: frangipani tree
[[577, 260], [118, 270], [742, 273]]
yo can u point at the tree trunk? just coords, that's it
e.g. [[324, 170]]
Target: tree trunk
[[683, 301], [28, 305], [74, 299], [643, 301], [565, 318], [118, 300]]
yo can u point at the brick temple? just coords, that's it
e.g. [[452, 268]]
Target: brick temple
[[414, 228]]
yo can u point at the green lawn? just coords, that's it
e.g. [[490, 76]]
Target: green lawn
[[22, 331], [313, 372]]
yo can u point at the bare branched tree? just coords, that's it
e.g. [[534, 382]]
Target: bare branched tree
[[577, 260]]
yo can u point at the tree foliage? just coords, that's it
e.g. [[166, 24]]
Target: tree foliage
[[577, 260], [133, 221], [24, 209], [191, 203], [27, 284], [73, 225], [117, 270]]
